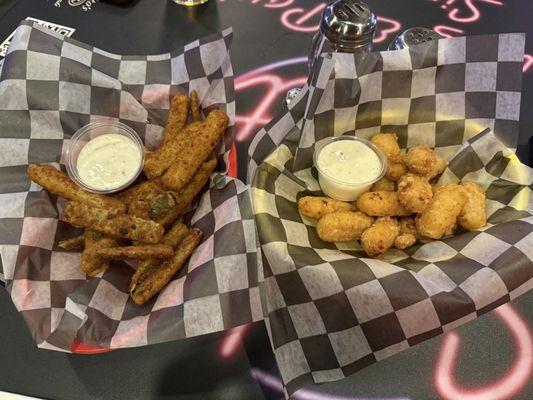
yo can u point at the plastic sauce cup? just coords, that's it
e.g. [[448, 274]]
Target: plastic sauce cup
[[344, 190], [88, 132]]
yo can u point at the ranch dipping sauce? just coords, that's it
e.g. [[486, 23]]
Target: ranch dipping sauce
[[109, 161], [348, 166]]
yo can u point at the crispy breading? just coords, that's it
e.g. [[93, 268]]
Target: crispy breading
[[388, 144], [316, 206], [126, 226], [473, 214], [380, 236], [91, 263], [137, 252], [414, 192], [177, 117], [195, 107], [198, 149], [381, 204], [384, 184], [342, 226], [404, 241], [146, 284], [423, 161], [141, 191], [75, 243], [57, 182]]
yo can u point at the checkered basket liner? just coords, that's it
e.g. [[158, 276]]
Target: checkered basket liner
[[51, 86], [329, 309]]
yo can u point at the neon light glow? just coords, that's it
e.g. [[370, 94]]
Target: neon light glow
[[297, 25], [528, 62], [384, 33], [231, 341], [447, 31], [518, 375]]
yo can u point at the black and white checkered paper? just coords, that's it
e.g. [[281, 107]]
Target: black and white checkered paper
[[330, 310], [50, 87]]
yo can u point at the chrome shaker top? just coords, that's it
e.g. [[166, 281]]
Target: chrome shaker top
[[412, 37]]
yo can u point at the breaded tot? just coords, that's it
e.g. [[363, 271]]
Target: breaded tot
[[177, 117], [440, 217], [381, 204], [137, 252], [407, 225], [388, 144], [146, 284], [404, 241], [195, 107], [82, 216], [380, 236], [198, 149], [473, 214], [395, 171], [75, 243], [342, 226], [91, 263], [384, 184], [316, 207], [423, 161], [414, 193], [57, 182], [157, 162]]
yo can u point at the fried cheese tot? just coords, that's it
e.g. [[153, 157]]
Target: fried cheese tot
[[404, 240], [316, 206], [91, 263], [195, 107], [126, 226], [384, 184], [197, 151], [388, 144], [381, 204], [57, 182], [157, 162], [158, 251], [440, 218], [414, 193], [380, 236], [145, 285], [75, 243], [474, 214], [408, 226], [423, 161], [177, 117], [342, 226]]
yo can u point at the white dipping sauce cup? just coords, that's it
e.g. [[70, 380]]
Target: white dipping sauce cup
[[341, 190]]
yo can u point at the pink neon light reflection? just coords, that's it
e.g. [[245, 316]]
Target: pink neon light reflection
[[232, 340], [515, 379]]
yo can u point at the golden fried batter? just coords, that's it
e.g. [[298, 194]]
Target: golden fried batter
[[404, 241], [423, 161], [438, 167], [388, 144], [395, 171], [126, 226], [197, 150], [473, 215], [157, 162], [195, 107], [141, 191], [75, 243], [137, 252], [316, 207], [91, 263], [381, 204], [440, 218], [146, 284], [177, 118], [407, 225], [380, 236], [342, 226], [414, 193], [384, 184], [57, 182]]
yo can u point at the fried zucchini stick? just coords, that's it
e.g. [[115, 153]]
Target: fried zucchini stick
[[91, 263], [126, 226], [143, 190], [75, 243], [137, 252], [145, 286], [157, 162], [198, 149], [195, 107], [177, 118], [57, 182]]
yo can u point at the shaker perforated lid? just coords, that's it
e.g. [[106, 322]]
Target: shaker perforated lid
[[291, 95], [412, 37], [348, 23]]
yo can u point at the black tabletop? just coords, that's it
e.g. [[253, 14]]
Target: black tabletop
[[272, 38]]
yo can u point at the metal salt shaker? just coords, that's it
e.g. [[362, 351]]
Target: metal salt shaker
[[413, 36], [346, 26]]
